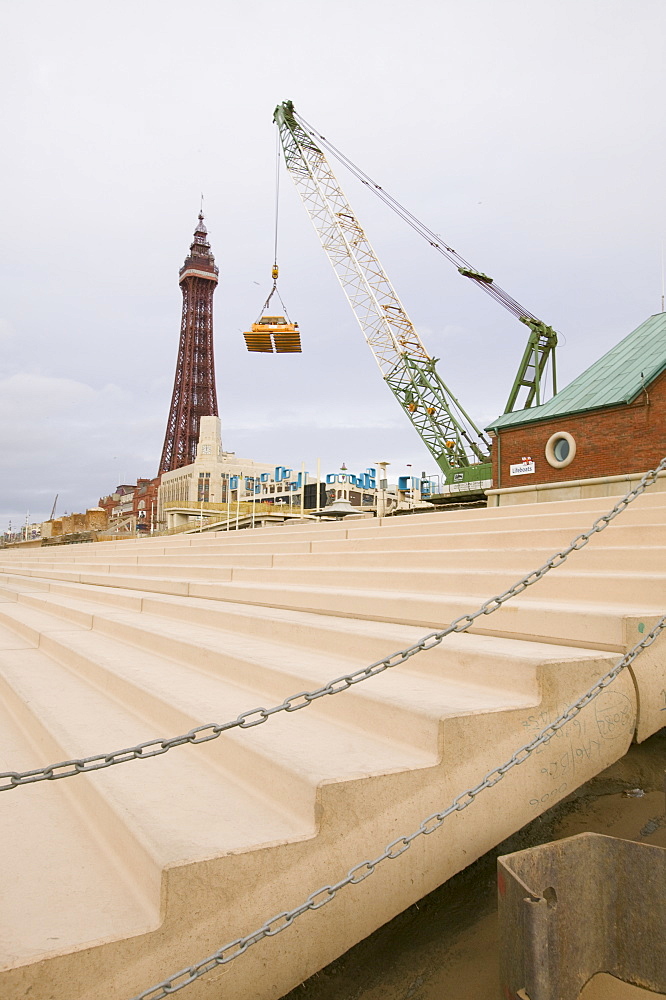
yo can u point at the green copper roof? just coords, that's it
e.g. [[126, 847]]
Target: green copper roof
[[615, 378]]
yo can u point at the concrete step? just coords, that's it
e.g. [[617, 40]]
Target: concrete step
[[466, 670], [640, 558], [620, 533], [225, 657], [355, 639], [67, 883], [107, 645], [561, 528], [103, 552], [592, 619], [513, 561], [164, 688], [575, 622], [111, 694], [136, 808], [553, 539], [569, 521], [650, 505], [509, 554], [636, 587], [364, 640]]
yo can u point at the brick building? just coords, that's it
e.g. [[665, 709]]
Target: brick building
[[94, 519], [138, 502], [605, 428]]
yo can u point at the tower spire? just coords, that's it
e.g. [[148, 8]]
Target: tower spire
[[194, 395]]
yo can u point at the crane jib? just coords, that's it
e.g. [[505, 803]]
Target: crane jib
[[538, 353], [455, 442]]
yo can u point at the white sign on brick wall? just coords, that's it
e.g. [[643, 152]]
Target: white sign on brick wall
[[524, 468]]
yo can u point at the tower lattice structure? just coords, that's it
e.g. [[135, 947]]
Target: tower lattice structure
[[194, 394]]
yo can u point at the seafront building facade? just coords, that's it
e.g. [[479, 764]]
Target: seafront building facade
[[133, 506], [219, 477]]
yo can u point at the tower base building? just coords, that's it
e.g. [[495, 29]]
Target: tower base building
[[215, 476]]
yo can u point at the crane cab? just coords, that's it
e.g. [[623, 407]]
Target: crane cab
[[273, 334]]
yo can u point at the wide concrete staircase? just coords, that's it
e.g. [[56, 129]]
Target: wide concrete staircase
[[113, 881]]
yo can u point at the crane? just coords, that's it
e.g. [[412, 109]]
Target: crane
[[458, 446], [542, 340]]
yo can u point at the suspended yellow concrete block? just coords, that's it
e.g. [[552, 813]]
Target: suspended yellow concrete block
[[273, 334]]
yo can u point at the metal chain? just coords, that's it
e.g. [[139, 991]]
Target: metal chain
[[257, 716], [228, 952]]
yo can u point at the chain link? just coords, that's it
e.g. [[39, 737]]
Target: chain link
[[257, 716], [228, 952]]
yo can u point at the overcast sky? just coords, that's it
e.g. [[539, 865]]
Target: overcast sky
[[528, 133]]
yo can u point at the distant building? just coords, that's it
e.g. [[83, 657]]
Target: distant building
[[94, 519], [605, 427], [135, 505], [219, 477]]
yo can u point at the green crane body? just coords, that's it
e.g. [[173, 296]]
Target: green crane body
[[541, 345], [459, 447]]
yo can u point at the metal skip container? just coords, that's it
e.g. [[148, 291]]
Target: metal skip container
[[579, 906]]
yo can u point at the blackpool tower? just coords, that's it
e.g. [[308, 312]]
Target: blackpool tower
[[194, 394]]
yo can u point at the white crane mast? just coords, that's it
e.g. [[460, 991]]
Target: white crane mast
[[381, 316]]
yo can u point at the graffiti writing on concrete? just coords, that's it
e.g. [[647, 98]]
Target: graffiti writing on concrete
[[579, 743]]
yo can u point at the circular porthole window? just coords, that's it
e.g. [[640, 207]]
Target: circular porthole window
[[560, 450]]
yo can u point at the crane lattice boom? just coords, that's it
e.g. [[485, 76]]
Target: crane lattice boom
[[542, 341], [446, 429]]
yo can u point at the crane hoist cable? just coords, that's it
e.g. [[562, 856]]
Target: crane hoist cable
[[434, 239], [543, 338], [275, 270], [272, 333]]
